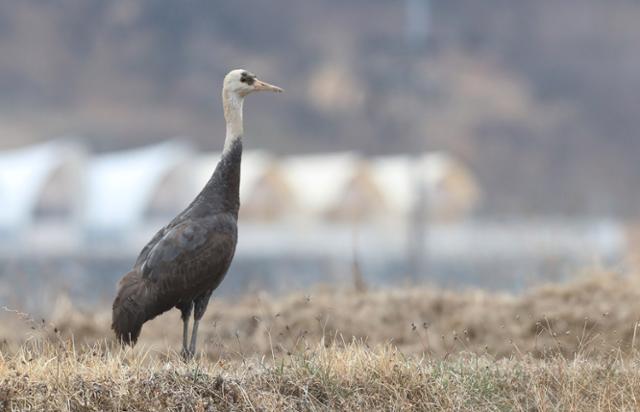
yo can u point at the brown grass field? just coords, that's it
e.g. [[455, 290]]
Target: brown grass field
[[572, 346]]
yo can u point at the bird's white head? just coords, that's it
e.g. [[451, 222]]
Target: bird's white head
[[237, 84], [242, 82]]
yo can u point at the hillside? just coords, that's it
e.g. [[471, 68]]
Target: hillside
[[540, 98]]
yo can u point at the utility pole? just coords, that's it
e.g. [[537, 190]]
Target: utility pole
[[417, 26]]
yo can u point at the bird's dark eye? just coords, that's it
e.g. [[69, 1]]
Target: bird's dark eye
[[247, 78]]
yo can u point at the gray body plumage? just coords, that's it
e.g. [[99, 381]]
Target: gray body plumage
[[188, 258]]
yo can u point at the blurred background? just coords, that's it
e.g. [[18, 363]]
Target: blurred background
[[451, 143]]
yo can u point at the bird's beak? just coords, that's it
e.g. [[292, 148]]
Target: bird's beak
[[264, 86]]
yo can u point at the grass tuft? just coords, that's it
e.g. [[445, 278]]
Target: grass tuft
[[60, 376]]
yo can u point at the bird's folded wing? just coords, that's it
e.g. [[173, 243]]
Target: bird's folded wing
[[184, 242], [144, 253]]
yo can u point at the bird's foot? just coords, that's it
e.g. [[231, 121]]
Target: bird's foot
[[186, 354]]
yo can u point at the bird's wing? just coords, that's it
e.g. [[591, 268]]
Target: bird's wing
[[189, 248], [144, 253]]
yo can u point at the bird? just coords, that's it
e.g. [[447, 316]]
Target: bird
[[188, 258]]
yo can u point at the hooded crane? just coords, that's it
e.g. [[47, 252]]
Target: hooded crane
[[187, 259]]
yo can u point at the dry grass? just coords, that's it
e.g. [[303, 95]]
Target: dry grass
[[563, 347], [58, 377], [596, 313]]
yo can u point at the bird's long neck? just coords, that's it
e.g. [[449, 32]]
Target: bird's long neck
[[222, 192], [232, 104]]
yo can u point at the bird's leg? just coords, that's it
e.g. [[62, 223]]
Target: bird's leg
[[185, 333], [194, 337], [200, 306], [186, 314]]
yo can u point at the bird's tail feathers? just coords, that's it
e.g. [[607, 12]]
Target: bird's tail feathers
[[129, 308]]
